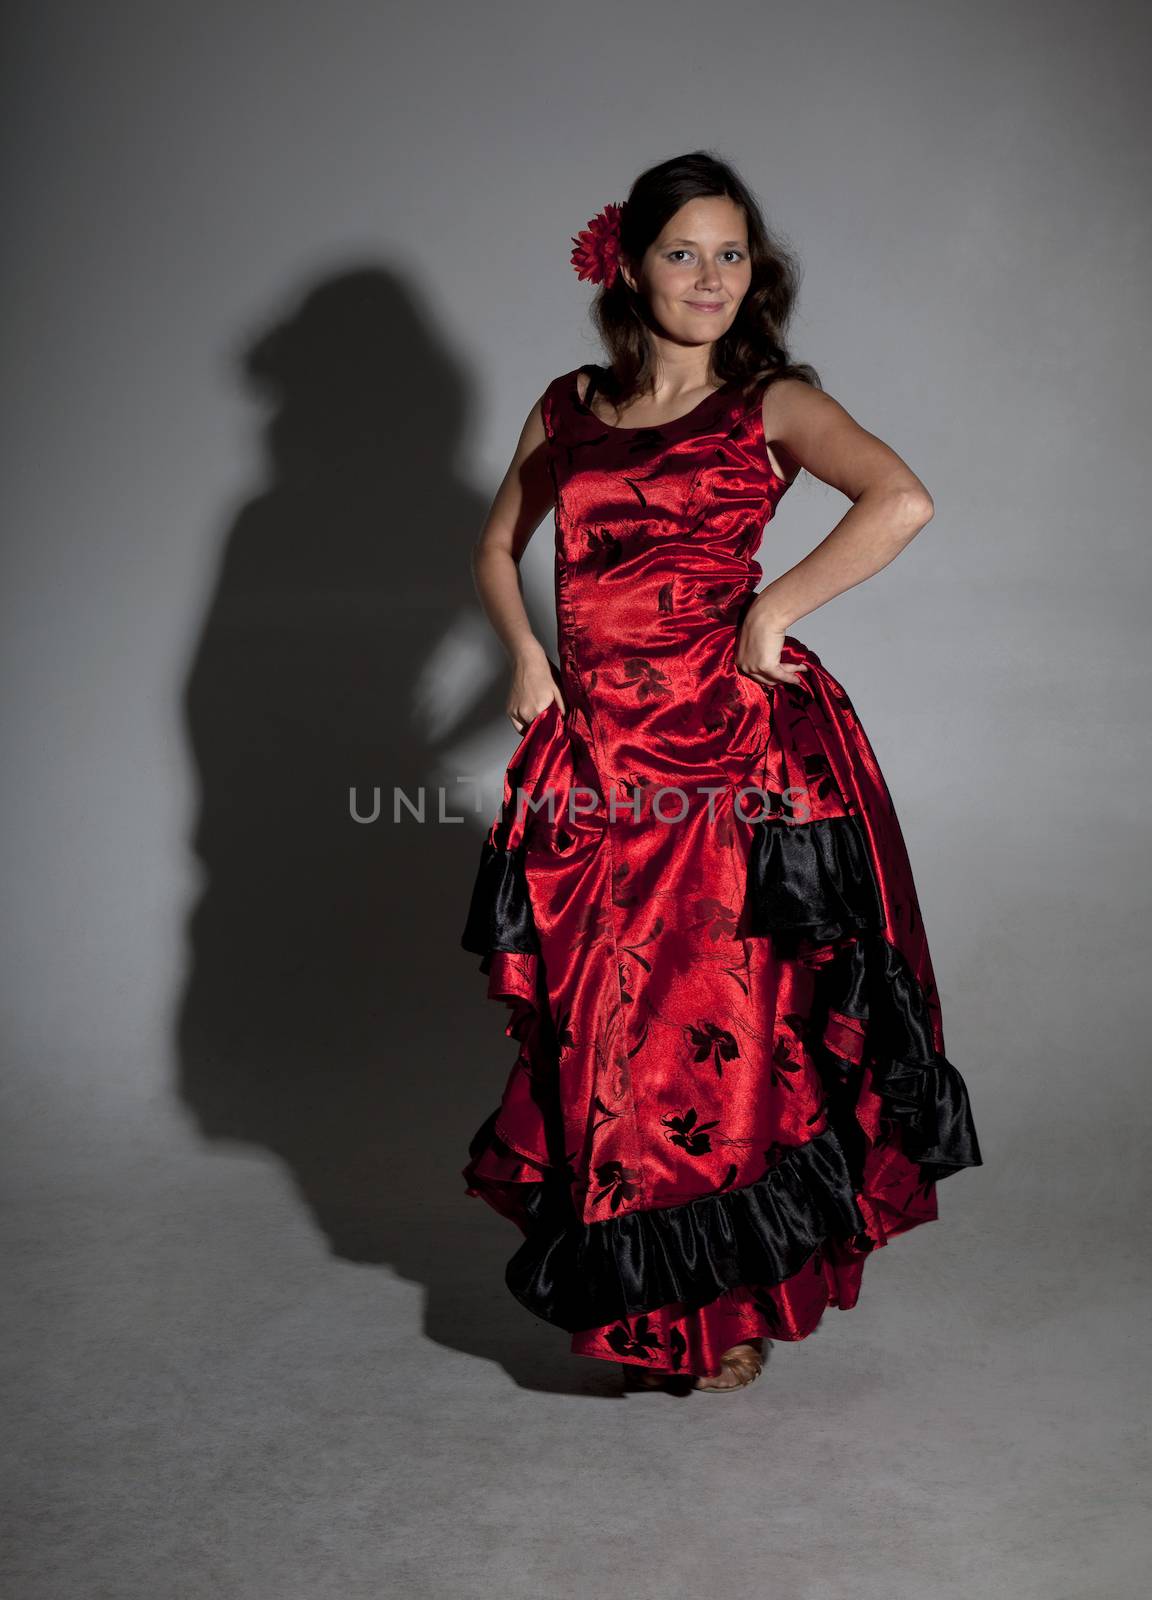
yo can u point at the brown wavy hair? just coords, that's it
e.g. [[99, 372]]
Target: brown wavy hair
[[754, 351]]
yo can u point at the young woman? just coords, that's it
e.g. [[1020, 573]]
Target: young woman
[[730, 1084]]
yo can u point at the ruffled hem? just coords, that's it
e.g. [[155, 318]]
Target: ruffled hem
[[580, 1276], [810, 879], [812, 889], [500, 914], [877, 1022]]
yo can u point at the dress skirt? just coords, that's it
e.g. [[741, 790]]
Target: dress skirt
[[730, 1084]]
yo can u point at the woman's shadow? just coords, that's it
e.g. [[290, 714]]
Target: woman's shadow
[[328, 1012]]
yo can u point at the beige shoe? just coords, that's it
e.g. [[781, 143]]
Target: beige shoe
[[739, 1367]]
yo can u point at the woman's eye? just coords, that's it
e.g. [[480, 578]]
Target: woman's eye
[[739, 254]]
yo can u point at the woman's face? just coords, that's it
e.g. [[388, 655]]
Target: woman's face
[[696, 273]]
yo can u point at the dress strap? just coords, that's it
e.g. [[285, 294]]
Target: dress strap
[[557, 404]]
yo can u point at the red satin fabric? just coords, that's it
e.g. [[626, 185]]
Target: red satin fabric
[[682, 1060]]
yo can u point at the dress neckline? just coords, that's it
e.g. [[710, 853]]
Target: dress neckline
[[644, 427]]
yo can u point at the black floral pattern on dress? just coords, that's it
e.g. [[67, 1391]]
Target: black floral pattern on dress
[[719, 708], [718, 917], [605, 1115], [634, 1338], [784, 1062], [651, 681], [634, 946], [709, 1040], [722, 601], [630, 786], [819, 775], [689, 1133], [619, 1181], [604, 547]]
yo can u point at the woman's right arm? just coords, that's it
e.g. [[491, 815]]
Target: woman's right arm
[[521, 503]]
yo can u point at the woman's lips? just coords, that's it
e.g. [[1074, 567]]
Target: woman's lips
[[704, 305]]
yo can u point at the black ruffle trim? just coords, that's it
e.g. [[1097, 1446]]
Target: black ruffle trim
[[810, 878], [814, 881], [871, 982], [583, 1275], [500, 914]]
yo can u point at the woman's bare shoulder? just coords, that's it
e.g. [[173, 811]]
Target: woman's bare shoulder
[[814, 430]]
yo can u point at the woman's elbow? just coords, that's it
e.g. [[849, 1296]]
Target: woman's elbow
[[912, 507], [925, 507]]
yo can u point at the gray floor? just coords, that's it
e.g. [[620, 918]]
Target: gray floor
[[232, 1379]]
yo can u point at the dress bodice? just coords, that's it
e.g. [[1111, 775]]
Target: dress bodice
[[657, 530]]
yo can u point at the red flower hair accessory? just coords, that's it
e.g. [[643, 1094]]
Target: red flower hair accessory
[[597, 253]]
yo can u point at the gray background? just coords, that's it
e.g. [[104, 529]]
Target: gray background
[[257, 1339]]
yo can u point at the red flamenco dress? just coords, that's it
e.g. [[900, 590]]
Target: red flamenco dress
[[730, 1084]]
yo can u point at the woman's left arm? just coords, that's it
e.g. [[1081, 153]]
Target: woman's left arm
[[807, 428]]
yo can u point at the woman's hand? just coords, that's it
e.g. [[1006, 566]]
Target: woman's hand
[[533, 688], [758, 648]]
